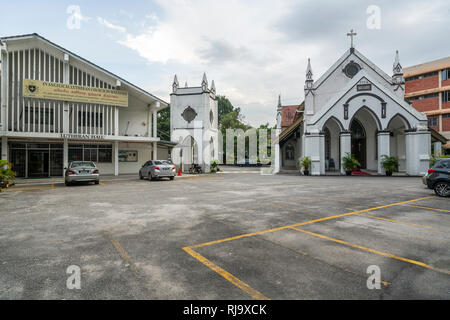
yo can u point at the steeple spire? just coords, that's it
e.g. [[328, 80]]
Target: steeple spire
[[279, 112], [398, 83], [397, 68], [309, 73], [213, 87], [309, 76], [204, 82], [175, 84]]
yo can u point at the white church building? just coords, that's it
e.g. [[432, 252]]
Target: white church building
[[194, 121], [355, 107]]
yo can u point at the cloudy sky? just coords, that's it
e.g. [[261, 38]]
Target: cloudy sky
[[254, 50]]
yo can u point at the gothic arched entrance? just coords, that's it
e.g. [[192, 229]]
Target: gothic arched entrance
[[358, 141]]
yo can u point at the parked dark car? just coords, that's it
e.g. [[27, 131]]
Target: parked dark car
[[438, 178]]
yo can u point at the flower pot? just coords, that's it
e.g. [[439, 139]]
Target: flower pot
[[389, 173], [348, 172], [306, 172]]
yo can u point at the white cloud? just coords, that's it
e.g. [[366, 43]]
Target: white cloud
[[111, 26], [234, 42], [257, 49]]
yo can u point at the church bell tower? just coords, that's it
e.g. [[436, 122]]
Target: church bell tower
[[194, 124]]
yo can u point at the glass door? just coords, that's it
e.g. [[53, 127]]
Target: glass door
[[38, 163]]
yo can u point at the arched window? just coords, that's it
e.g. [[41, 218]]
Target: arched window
[[289, 152], [357, 130]]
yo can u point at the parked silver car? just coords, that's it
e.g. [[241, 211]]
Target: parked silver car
[[82, 171], [154, 169]]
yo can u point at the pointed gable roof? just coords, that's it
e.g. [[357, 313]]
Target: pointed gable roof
[[343, 58], [352, 83], [139, 91]]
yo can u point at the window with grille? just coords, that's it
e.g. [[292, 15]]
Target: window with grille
[[101, 153], [432, 122]]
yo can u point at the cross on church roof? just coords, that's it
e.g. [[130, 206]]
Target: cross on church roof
[[351, 34]]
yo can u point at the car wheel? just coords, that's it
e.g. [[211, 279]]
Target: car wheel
[[171, 178], [97, 182], [67, 184], [140, 176], [150, 177], [442, 189]]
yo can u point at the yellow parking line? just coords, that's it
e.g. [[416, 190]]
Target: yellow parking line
[[428, 208], [418, 263], [306, 222], [121, 251], [258, 295], [255, 294], [396, 221], [29, 188], [102, 184], [385, 283]]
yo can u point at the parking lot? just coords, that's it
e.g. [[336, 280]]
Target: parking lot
[[232, 235]]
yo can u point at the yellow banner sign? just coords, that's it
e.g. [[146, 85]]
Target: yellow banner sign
[[70, 92]]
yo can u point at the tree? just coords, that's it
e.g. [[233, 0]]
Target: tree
[[164, 124], [229, 118], [269, 138], [224, 107]]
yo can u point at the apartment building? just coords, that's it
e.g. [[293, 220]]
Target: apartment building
[[427, 88]]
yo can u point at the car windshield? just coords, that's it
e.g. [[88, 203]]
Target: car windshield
[[158, 162], [166, 162], [76, 164]]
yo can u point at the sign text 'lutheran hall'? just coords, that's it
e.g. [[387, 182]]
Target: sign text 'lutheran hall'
[[73, 93]]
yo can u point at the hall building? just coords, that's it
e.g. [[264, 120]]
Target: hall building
[[355, 107], [57, 107]]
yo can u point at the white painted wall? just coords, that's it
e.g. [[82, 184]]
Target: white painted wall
[[136, 114], [144, 154]]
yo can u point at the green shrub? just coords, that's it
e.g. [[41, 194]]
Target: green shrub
[[305, 163], [349, 161], [390, 164], [6, 174], [214, 165]]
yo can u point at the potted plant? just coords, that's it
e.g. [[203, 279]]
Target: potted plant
[[305, 163], [349, 163], [6, 174], [214, 166], [389, 164]]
